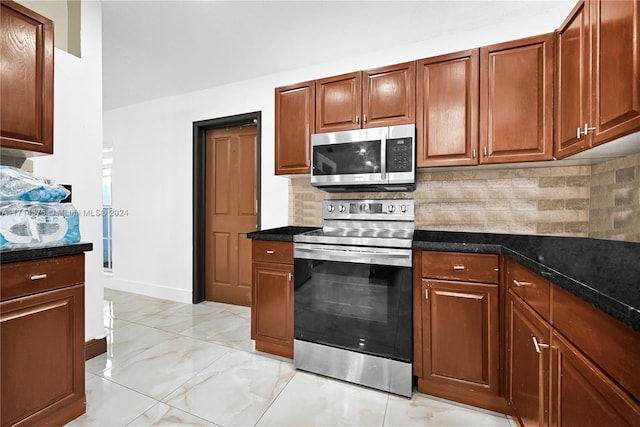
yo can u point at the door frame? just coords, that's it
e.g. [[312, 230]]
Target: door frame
[[200, 129]]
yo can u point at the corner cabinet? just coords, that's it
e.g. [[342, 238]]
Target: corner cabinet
[[295, 119], [382, 96], [26, 81], [568, 364], [272, 297], [42, 335], [447, 109], [597, 97], [516, 92], [457, 327]]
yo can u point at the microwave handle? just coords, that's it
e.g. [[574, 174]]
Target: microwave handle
[[383, 157]]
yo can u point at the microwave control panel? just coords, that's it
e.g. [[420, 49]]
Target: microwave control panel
[[399, 155]]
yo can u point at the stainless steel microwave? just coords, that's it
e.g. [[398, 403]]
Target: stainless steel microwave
[[374, 159]]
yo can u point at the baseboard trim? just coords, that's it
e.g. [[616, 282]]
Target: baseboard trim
[[95, 347]]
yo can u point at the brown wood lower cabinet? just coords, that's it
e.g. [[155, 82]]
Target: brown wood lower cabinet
[[579, 368], [583, 395], [527, 365], [42, 338], [458, 354], [272, 297]]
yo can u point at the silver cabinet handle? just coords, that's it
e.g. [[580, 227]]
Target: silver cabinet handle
[[473, 154], [426, 293], [519, 283], [484, 151], [364, 117], [38, 276], [270, 251], [358, 120], [290, 277], [538, 345], [458, 267], [580, 132]]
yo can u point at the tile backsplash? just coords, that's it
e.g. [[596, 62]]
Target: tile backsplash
[[582, 201]]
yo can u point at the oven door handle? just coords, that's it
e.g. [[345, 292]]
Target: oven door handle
[[402, 258]]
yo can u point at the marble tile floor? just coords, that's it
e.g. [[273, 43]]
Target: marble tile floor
[[172, 364]]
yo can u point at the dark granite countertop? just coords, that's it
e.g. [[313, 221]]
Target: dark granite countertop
[[27, 254], [283, 234], [604, 273]]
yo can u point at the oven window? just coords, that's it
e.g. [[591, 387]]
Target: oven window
[[349, 158], [357, 307]]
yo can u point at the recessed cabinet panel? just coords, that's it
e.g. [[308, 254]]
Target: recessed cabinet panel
[[615, 38], [447, 109], [516, 89], [295, 123], [389, 96], [26, 80], [339, 102], [572, 82], [527, 363], [582, 395]]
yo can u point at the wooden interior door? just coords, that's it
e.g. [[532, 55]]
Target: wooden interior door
[[231, 213]]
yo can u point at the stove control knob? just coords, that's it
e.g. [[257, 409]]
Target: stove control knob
[[330, 208], [341, 208], [391, 208], [403, 208]]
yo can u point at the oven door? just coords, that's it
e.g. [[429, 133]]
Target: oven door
[[357, 299]]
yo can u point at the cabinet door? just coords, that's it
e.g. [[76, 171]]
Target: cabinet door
[[582, 395], [516, 95], [295, 119], [528, 337], [447, 109], [42, 366], [388, 95], [272, 308], [572, 96], [339, 102], [615, 75], [460, 335], [26, 80]]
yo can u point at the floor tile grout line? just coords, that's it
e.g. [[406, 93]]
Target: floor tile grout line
[[276, 398]]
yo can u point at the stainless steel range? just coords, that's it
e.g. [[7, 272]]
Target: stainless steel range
[[353, 294]]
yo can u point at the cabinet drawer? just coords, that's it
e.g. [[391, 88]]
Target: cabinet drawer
[[460, 266], [533, 289], [272, 251], [22, 278]]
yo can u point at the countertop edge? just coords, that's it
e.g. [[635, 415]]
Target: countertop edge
[[28, 254]]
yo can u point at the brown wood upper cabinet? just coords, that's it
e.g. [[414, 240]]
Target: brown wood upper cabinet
[[447, 109], [597, 94], [378, 97], [516, 92], [295, 120], [26, 81]]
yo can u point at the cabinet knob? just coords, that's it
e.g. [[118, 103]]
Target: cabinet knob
[[38, 276]]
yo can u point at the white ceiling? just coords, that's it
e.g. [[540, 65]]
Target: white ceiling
[[153, 49]]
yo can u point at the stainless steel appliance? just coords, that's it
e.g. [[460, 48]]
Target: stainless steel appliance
[[353, 294], [374, 159]]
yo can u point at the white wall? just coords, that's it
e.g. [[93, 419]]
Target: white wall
[[77, 158], [152, 151]]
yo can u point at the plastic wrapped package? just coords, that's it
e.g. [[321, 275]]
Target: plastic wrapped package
[[16, 184], [33, 224]]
